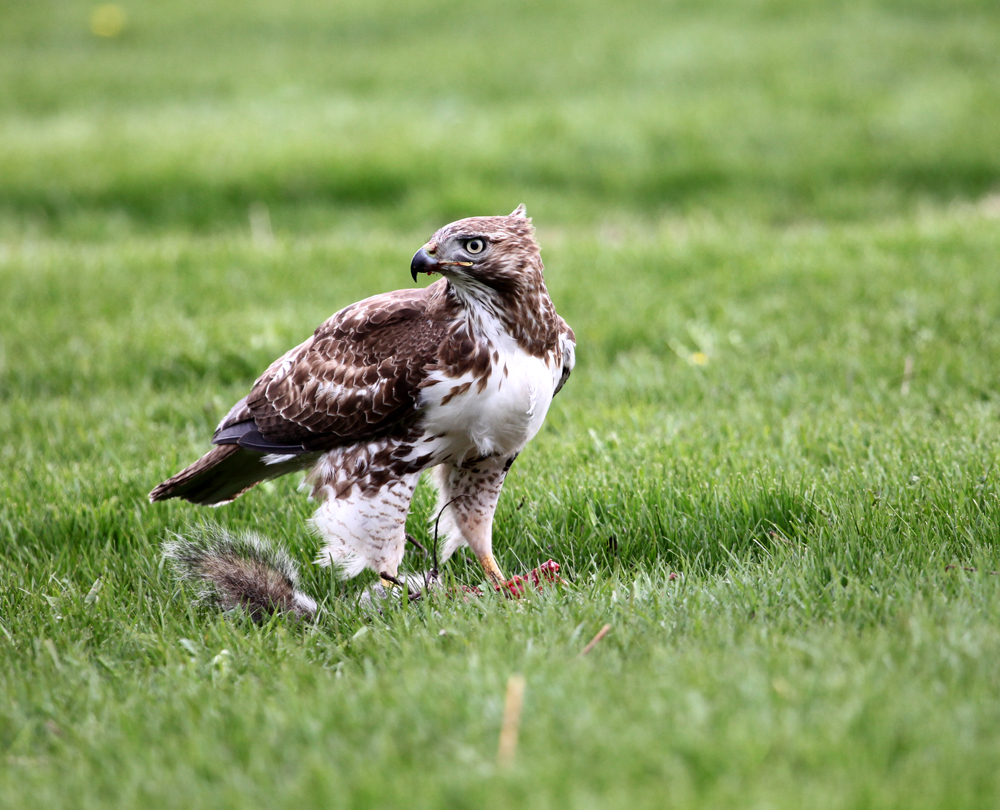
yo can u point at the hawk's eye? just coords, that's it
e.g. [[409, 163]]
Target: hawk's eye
[[475, 246]]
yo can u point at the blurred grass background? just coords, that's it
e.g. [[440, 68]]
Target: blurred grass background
[[775, 228], [422, 111]]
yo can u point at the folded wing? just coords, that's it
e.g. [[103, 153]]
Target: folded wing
[[356, 379]]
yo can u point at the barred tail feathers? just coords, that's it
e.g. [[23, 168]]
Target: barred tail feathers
[[239, 572], [224, 473]]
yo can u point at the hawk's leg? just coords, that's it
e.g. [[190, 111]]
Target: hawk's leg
[[364, 527], [467, 500]]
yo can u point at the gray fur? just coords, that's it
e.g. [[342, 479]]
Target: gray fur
[[239, 572]]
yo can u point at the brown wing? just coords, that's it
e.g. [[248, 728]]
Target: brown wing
[[356, 378]]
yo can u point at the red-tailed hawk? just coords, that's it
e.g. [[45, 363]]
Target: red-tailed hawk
[[456, 377]]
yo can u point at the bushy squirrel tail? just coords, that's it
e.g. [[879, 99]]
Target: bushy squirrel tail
[[239, 572]]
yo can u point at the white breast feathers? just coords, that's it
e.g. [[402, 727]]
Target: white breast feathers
[[493, 415]]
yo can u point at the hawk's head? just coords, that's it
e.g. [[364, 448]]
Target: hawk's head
[[498, 253]]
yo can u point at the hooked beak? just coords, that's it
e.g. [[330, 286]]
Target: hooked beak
[[422, 263]]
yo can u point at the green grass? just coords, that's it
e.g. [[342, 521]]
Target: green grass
[[417, 112], [756, 215]]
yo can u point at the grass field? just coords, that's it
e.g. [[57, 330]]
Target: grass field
[[775, 228]]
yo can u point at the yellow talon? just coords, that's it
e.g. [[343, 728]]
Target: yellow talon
[[493, 572]]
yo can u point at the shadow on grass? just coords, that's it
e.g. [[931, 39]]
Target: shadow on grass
[[703, 527], [428, 193]]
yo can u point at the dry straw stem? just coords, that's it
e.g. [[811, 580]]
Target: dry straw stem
[[593, 642], [507, 749], [904, 389]]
